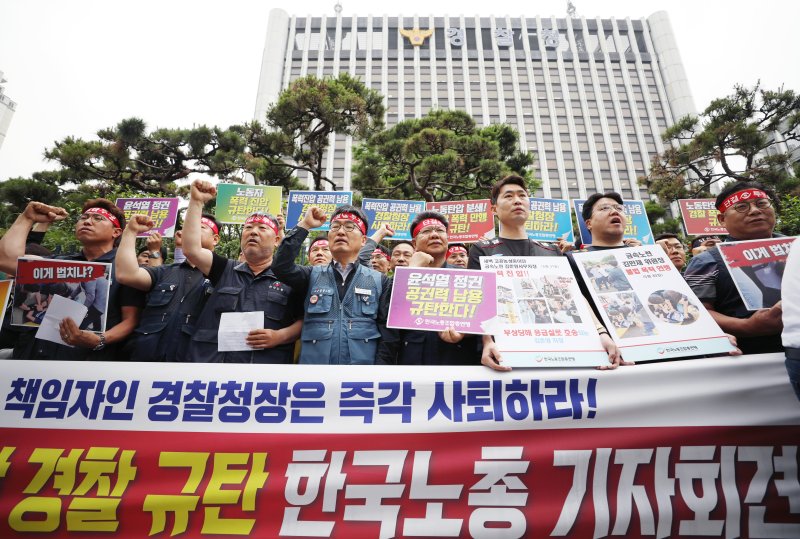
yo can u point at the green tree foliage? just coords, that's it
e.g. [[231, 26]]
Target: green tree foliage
[[789, 222], [730, 140], [148, 162], [660, 222], [300, 123], [442, 156], [15, 194]]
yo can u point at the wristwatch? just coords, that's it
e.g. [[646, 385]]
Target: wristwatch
[[102, 342], [154, 254]]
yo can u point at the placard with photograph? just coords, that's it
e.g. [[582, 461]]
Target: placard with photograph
[[542, 319], [756, 267], [39, 280], [646, 305]]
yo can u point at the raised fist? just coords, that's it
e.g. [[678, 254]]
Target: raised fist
[[314, 218], [203, 191], [139, 224], [42, 213], [420, 260], [153, 241]]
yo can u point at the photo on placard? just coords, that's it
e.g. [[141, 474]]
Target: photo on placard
[[628, 315], [605, 275], [672, 307], [527, 288], [31, 300]]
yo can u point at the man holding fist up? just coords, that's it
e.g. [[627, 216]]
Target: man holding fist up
[[241, 287], [346, 303]]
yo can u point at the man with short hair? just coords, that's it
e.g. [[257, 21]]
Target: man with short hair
[[319, 252], [402, 252], [245, 286], [457, 255], [511, 205], [747, 210], [176, 294], [674, 247], [703, 243], [98, 230], [346, 303]]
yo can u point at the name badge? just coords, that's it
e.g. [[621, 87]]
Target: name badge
[[364, 291]]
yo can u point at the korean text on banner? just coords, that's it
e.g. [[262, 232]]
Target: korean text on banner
[[235, 202], [542, 320], [470, 220], [700, 217], [646, 305], [436, 299], [550, 220], [327, 201], [691, 448], [397, 214], [756, 267], [162, 211]]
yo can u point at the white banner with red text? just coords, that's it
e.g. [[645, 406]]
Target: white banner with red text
[[704, 447]]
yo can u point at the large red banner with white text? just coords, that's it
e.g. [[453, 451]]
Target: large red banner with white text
[[685, 449]]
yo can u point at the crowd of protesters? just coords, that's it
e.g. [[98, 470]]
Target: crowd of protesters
[[334, 310]]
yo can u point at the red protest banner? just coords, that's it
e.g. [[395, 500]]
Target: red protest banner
[[700, 217], [755, 252], [470, 220], [44, 271]]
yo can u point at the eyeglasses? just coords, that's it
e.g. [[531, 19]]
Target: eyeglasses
[[609, 207], [430, 230], [348, 227], [744, 207]]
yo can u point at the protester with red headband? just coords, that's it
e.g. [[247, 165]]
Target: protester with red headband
[[448, 347], [177, 294], [249, 286], [457, 255], [346, 303], [747, 210], [379, 259], [319, 252], [98, 230]]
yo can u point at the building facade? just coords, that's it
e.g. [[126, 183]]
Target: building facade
[[590, 97], [7, 108]]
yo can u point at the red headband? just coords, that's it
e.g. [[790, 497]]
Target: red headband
[[382, 253], [456, 249], [347, 216], [741, 196], [210, 224], [105, 213], [427, 222], [323, 243], [262, 219]]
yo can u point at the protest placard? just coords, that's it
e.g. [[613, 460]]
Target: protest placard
[[470, 220], [646, 305], [756, 267], [435, 299], [700, 217], [550, 220], [542, 320], [327, 201], [235, 202], [162, 211], [638, 226], [397, 214], [5, 292], [39, 280]]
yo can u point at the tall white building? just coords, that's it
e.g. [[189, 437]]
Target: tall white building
[[7, 108], [589, 96]]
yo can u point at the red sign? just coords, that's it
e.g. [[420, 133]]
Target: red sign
[[755, 252], [44, 271], [470, 220], [700, 217]]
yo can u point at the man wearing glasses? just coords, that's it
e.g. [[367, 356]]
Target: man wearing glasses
[[346, 303], [674, 248], [98, 230], [746, 210]]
